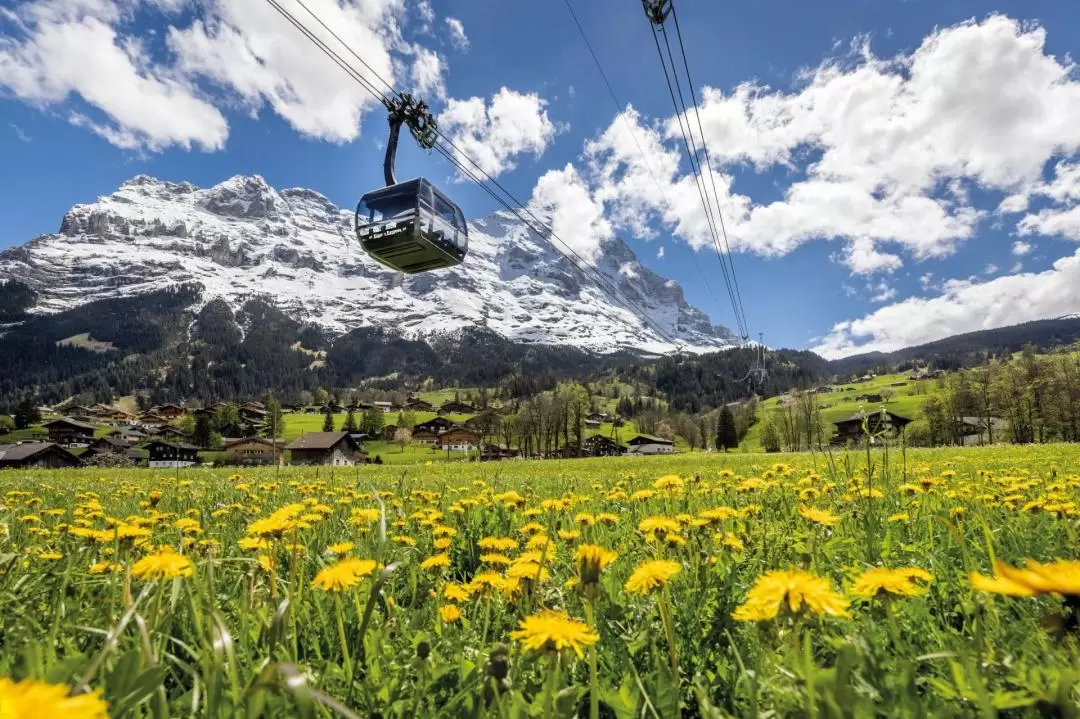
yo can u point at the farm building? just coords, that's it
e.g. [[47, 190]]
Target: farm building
[[108, 445], [424, 436], [332, 448], [983, 430], [36, 454], [254, 450], [872, 398], [642, 450], [601, 446], [592, 424], [851, 429], [644, 439], [455, 407], [419, 405], [437, 425], [171, 455], [168, 411], [459, 439], [68, 432]]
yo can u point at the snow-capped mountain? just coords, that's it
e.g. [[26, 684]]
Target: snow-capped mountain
[[243, 238]]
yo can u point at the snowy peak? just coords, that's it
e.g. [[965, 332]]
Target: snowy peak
[[243, 238]]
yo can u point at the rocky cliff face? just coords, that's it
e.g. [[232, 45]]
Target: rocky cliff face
[[242, 238]]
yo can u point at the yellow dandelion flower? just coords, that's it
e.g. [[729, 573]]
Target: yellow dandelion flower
[[889, 582], [404, 540], [486, 582], [797, 587], [442, 543], [1061, 578], [103, 568], [670, 483], [340, 548], [50, 556], [642, 495], [551, 631], [163, 564], [651, 575], [658, 525], [569, 535], [899, 517], [819, 516], [497, 544], [456, 592], [436, 562], [591, 559], [34, 698], [343, 575], [496, 559], [607, 518], [449, 613]]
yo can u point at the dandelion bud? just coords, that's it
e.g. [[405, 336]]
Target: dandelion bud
[[423, 649]]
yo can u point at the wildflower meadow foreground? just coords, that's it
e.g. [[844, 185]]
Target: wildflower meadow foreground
[[930, 583]]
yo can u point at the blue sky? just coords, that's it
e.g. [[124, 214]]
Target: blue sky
[[891, 172]]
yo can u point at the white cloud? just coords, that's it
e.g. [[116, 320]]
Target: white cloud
[[427, 15], [863, 258], [1063, 218], [990, 269], [494, 134], [457, 34], [660, 253], [963, 306], [575, 217], [886, 151], [69, 48], [251, 50], [19, 132], [882, 292], [427, 74], [1021, 248]]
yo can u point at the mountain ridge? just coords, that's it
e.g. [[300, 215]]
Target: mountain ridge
[[242, 239]]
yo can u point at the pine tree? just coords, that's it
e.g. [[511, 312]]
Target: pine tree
[[275, 425], [727, 436], [328, 421], [770, 438], [27, 413], [203, 430], [350, 422]]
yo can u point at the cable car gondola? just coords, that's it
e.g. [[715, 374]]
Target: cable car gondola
[[411, 226]]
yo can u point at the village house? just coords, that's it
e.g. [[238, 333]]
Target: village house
[[387, 433], [597, 417], [437, 425], [424, 436], [330, 448], [68, 432], [872, 398], [171, 455], [459, 439], [592, 424], [455, 407], [386, 407], [107, 445], [601, 446], [168, 411], [36, 454], [982, 430], [851, 429], [419, 405], [644, 439], [131, 435], [496, 452], [254, 450]]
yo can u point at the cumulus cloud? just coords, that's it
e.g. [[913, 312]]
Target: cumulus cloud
[[427, 74], [70, 49], [1063, 218], [151, 90], [457, 34], [1021, 248], [495, 133], [886, 150], [578, 221], [962, 306], [660, 253]]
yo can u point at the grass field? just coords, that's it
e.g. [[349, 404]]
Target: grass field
[[906, 401], [694, 585]]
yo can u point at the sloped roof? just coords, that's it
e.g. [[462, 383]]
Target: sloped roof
[[319, 440], [174, 445], [254, 440], [19, 452], [69, 420]]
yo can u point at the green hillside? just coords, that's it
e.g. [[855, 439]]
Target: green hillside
[[907, 398]]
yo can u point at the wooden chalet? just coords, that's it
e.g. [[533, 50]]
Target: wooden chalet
[[424, 436], [419, 405], [872, 398], [459, 439], [107, 445], [68, 432], [597, 416], [254, 450], [437, 425], [851, 429], [46, 455], [170, 455], [600, 446], [496, 452], [169, 433], [592, 424], [644, 439], [387, 432], [644, 450], [329, 448], [131, 435], [455, 407], [168, 411], [386, 407]]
